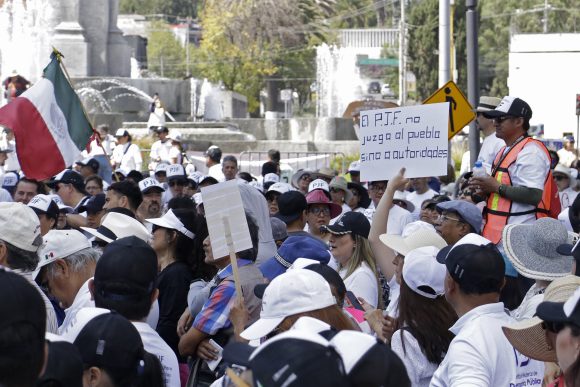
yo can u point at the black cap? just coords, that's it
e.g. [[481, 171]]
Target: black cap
[[20, 303], [93, 163], [126, 261], [564, 312], [110, 341], [290, 206], [64, 366], [510, 106], [473, 264], [68, 177], [94, 204], [350, 223], [161, 129], [214, 153]]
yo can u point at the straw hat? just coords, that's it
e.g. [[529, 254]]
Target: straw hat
[[528, 336], [532, 249]]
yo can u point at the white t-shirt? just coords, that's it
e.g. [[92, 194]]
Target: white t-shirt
[[160, 150], [566, 157], [363, 283], [82, 300], [175, 153], [130, 160], [394, 293], [154, 344], [532, 299], [108, 143], [419, 369], [489, 148], [567, 197], [418, 199], [215, 171], [398, 218], [481, 355]]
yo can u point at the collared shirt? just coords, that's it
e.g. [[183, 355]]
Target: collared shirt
[[216, 311], [51, 321], [82, 300], [489, 148], [481, 355]]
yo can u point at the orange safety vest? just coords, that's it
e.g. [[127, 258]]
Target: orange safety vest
[[499, 209]]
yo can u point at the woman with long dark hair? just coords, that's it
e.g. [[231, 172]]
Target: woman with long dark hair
[[423, 335]]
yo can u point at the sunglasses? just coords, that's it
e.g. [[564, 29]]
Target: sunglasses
[[499, 120], [553, 327], [560, 177]]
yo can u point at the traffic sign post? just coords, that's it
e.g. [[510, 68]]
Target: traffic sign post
[[460, 110]]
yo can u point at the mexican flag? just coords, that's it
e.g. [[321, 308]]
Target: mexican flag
[[49, 124]]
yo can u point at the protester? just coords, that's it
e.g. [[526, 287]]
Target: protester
[[176, 153], [67, 263], [125, 194], [95, 210], [397, 218], [9, 181], [26, 189], [491, 144], [421, 192], [279, 232], [151, 206], [563, 319], [354, 171], [230, 167], [532, 250], [566, 184], [273, 194], [213, 157], [350, 247], [301, 179], [423, 336], [125, 281], [88, 167], [22, 331], [46, 210], [320, 211], [400, 199], [339, 192], [429, 212], [324, 173], [568, 153], [176, 180], [126, 155], [161, 173], [457, 218], [94, 185], [101, 150], [69, 185], [160, 149], [207, 319], [479, 354], [360, 199], [112, 351]]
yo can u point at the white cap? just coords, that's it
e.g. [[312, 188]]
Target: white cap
[[293, 292], [9, 179], [41, 202], [420, 238], [196, 176], [280, 187], [59, 244], [116, 225], [301, 263], [469, 239], [175, 170], [61, 206], [148, 183], [161, 167], [422, 273], [354, 166], [271, 177], [169, 220], [189, 169], [257, 185], [19, 226], [121, 132], [318, 184], [175, 135], [310, 324], [352, 346]]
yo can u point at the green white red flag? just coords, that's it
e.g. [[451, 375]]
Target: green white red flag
[[49, 124]]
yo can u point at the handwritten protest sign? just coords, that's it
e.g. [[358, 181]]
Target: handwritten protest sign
[[414, 137], [226, 222]]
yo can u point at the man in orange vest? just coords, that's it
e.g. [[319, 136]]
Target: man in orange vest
[[519, 189]]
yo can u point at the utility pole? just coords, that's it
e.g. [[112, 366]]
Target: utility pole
[[452, 56], [444, 76], [546, 6], [472, 73], [188, 21], [402, 58]]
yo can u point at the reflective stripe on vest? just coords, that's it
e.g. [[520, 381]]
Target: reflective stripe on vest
[[498, 209]]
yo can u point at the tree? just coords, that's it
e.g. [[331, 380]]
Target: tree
[[166, 56], [173, 9]]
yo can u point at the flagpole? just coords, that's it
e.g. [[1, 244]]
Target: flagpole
[[59, 57]]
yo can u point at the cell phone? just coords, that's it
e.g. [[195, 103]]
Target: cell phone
[[212, 364], [353, 301]]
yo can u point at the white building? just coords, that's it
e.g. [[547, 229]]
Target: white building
[[544, 70]]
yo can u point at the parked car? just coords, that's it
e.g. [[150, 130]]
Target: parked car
[[374, 88], [386, 91]]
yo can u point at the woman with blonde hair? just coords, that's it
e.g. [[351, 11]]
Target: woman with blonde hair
[[356, 263]]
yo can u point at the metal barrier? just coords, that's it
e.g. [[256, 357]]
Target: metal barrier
[[251, 161]]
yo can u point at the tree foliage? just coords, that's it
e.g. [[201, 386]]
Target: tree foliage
[[165, 54], [170, 8]]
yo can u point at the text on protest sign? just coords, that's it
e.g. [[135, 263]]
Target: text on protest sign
[[414, 137], [223, 202]]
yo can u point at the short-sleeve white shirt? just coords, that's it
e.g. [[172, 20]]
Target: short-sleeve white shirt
[[363, 283], [489, 148]]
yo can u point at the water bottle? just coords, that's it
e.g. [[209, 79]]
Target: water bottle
[[478, 169]]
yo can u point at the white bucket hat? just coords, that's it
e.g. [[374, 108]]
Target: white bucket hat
[[421, 237], [116, 225], [295, 291]]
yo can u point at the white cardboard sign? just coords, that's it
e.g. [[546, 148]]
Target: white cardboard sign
[[414, 137], [223, 202]]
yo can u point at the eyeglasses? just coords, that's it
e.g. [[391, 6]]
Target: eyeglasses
[[378, 187], [499, 120], [305, 177], [319, 210], [443, 218], [553, 327], [180, 183]]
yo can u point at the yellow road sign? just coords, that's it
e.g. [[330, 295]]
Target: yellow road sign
[[460, 111]]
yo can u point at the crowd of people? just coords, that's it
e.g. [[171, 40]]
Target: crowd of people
[[108, 276]]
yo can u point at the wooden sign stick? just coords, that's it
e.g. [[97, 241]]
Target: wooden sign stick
[[233, 260]]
